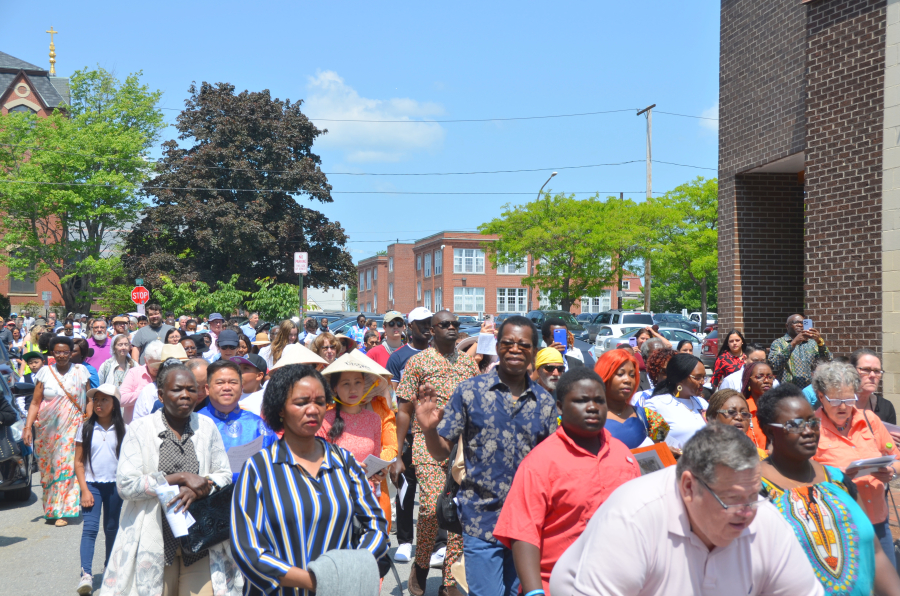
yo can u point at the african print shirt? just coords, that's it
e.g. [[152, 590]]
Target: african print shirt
[[498, 431], [794, 365]]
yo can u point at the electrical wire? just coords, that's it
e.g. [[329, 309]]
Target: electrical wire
[[458, 119]]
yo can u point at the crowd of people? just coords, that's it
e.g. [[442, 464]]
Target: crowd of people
[[545, 459]]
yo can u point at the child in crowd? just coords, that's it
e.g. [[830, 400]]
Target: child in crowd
[[97, 444]]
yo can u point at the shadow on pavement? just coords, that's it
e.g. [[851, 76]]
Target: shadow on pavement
[[10, 540]]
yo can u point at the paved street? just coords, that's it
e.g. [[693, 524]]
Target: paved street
[[39, 559]]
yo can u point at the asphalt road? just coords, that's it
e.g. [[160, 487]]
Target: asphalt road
[[39, 559]]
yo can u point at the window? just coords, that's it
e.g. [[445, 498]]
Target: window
[[362, 281], [390, 263], [514, 268], [25, 284], [468, 299], [375, 273], [468, 260], [511, 299], [368, 307], [438, 300], [375, 303], [418, 262], [368, 279], [428, 265], [391, 292], [438, 265], [418, 290], [626, 284], [596, 304], [24, 110], [427, 299]]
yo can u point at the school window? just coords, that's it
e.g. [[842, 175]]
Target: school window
[[626, 284], [375, 273], [375, 303], [390, 291], [468, 260], [418, 290], [438, 263], [362, 281], [511, 299], [596, 304], [468, 299], [514, 268], [368, 307], [427, 299], [418, 262], [428, 265], [438, 300], [368, 279], [390, 263]]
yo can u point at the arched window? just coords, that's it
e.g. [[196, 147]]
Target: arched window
[[22, 109]]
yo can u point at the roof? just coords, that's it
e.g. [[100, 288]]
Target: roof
[[48, 88], [7, 61]]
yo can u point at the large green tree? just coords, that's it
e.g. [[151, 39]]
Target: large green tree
[[224, 198], [68, 182], [564, 236]]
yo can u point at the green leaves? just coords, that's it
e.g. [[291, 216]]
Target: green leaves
[[195, 297], [275, 302]]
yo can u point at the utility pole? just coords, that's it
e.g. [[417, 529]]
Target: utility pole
[[531, 287], [649, 111]]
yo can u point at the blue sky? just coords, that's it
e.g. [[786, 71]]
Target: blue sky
[[426, 62]]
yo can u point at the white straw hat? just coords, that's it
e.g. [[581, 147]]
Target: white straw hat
[[298, 354]]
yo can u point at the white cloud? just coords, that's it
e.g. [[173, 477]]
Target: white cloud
[[712, 112], [331, 98]]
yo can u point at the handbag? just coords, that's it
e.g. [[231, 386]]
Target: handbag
[[445, 508], [9, 447], [213, 521]]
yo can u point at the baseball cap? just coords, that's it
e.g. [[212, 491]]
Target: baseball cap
[[391, 315], [228, 339], [254, 360], [106, 389], [420, 313], [33, 354], [216, 317]]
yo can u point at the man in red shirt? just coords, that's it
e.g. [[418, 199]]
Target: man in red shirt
[[563, 481], [394, 326]]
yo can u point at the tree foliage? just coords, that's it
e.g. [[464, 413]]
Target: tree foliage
[[195, 297], [275, 302], [68, 182], [112, 288], [225, 205]]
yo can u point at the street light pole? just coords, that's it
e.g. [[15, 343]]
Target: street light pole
[[649, 111], [531, 287]]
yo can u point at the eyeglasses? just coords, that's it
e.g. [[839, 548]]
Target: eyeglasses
[[509, 344], [448, 324], [764, 378], [736, 507], [396, 323], [698, 378], [732, 413], [551, 368], [59, 354], [798, 425], [870, 371], [839, 402]]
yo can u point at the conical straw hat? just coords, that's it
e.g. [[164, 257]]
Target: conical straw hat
[[298, 354], [378, 379]]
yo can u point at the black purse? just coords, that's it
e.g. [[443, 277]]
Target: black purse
[[9, 448], [213, 521], [445, 508]]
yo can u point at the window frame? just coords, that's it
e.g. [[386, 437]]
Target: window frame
[[439, 262], [460, 261], [519, 297], [463, 293], [427, 264], [504, 269]]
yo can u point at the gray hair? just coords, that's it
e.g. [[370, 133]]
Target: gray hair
[[714, 445], [835, 375], [153, 350], [196, 363], [650, 346]]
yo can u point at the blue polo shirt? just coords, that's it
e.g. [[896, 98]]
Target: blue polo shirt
[[239, 428]]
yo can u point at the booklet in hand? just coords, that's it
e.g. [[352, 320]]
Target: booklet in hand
[[375, 465], [872, 464]]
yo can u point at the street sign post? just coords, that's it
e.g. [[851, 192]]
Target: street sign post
[[140, 296], [301, 268], [46, 296]]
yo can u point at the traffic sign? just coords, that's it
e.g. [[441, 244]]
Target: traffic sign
[[140, 295], [139, 282], [301, 263], [45, 296]]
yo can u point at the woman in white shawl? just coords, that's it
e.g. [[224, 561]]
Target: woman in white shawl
[[120, 362], [177, 447]]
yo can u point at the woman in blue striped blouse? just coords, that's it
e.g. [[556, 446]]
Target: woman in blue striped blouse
[[297, 499]]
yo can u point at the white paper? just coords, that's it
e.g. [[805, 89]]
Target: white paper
[[487, 344], [178, 522], [401, 494], [872, 464], [375, 465], [891, 428], [239, 454]]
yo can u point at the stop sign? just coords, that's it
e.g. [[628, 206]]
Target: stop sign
[[140, 295]]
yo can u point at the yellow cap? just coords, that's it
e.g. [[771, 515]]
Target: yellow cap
[[548, 356]]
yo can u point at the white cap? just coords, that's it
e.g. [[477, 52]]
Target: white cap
[[420, 313]]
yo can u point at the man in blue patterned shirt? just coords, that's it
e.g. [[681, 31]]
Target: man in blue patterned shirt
[[500, 416]]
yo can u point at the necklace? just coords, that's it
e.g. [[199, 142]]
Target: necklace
[[620, 413], [842, 428]]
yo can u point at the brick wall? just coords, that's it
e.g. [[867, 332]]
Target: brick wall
[[844, 110], [377, 294], [761, 115], [402, 277]]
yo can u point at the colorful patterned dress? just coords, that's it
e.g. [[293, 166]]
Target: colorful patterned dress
[[833, 530], [54, 438]]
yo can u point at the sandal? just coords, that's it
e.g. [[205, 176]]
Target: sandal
[[61, 523]]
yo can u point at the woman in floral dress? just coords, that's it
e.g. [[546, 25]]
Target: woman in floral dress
[[57, 409]]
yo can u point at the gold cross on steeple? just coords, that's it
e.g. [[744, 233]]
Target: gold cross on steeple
[[52, 52]]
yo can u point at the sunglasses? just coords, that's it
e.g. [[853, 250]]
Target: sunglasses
[[797, 425], [552, 368], [396, 323], [448, 324]]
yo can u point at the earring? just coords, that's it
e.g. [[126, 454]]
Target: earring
[[678, 391]]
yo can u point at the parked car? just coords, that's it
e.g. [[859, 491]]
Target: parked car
[[617, 317], [709, 349], [668, 319], [673, 334], [585, 318], [467, 321], [539, 316], [711, 317], [609, 331], [16, 473], [344, 325]]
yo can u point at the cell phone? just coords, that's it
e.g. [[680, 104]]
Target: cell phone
[[488, 318], [632, 341], [561, 336], [807, 324]]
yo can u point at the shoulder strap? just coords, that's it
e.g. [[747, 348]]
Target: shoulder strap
[[69, 395]]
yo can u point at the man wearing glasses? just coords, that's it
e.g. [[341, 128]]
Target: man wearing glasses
[[501, 416], [437, 371], [699, 527], [793, 355], [394, 326]]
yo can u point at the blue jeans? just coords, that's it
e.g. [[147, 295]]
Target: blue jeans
[[490, 570], [105, 495], [883, 533]]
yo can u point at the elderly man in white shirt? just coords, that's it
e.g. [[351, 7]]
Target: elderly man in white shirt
[[697, 528]]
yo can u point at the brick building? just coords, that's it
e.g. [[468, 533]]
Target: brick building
[[809, 117], [29, 89], [451, 270]]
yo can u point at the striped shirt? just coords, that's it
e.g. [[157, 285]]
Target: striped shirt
[[281, 517]]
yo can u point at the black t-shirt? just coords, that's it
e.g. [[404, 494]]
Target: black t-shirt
[[397, 362]]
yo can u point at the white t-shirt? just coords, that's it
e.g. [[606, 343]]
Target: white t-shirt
[[736, 379], [684, 416], [640, 542], [253, 402], [144, 404], [103, 461]]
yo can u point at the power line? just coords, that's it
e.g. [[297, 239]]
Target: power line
[[688, 116]]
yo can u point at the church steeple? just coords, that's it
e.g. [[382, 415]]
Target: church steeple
[[52, 52]]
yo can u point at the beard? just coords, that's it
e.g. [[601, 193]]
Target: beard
[[100, 337]]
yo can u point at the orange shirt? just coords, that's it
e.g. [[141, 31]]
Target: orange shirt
[[860, 443], [755, 431]]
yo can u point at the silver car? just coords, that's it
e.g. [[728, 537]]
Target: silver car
[[672, 334]]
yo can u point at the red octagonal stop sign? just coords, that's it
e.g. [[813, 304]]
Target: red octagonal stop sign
[[140, 295]]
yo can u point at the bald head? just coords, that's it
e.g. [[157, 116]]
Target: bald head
[[794, 325]]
